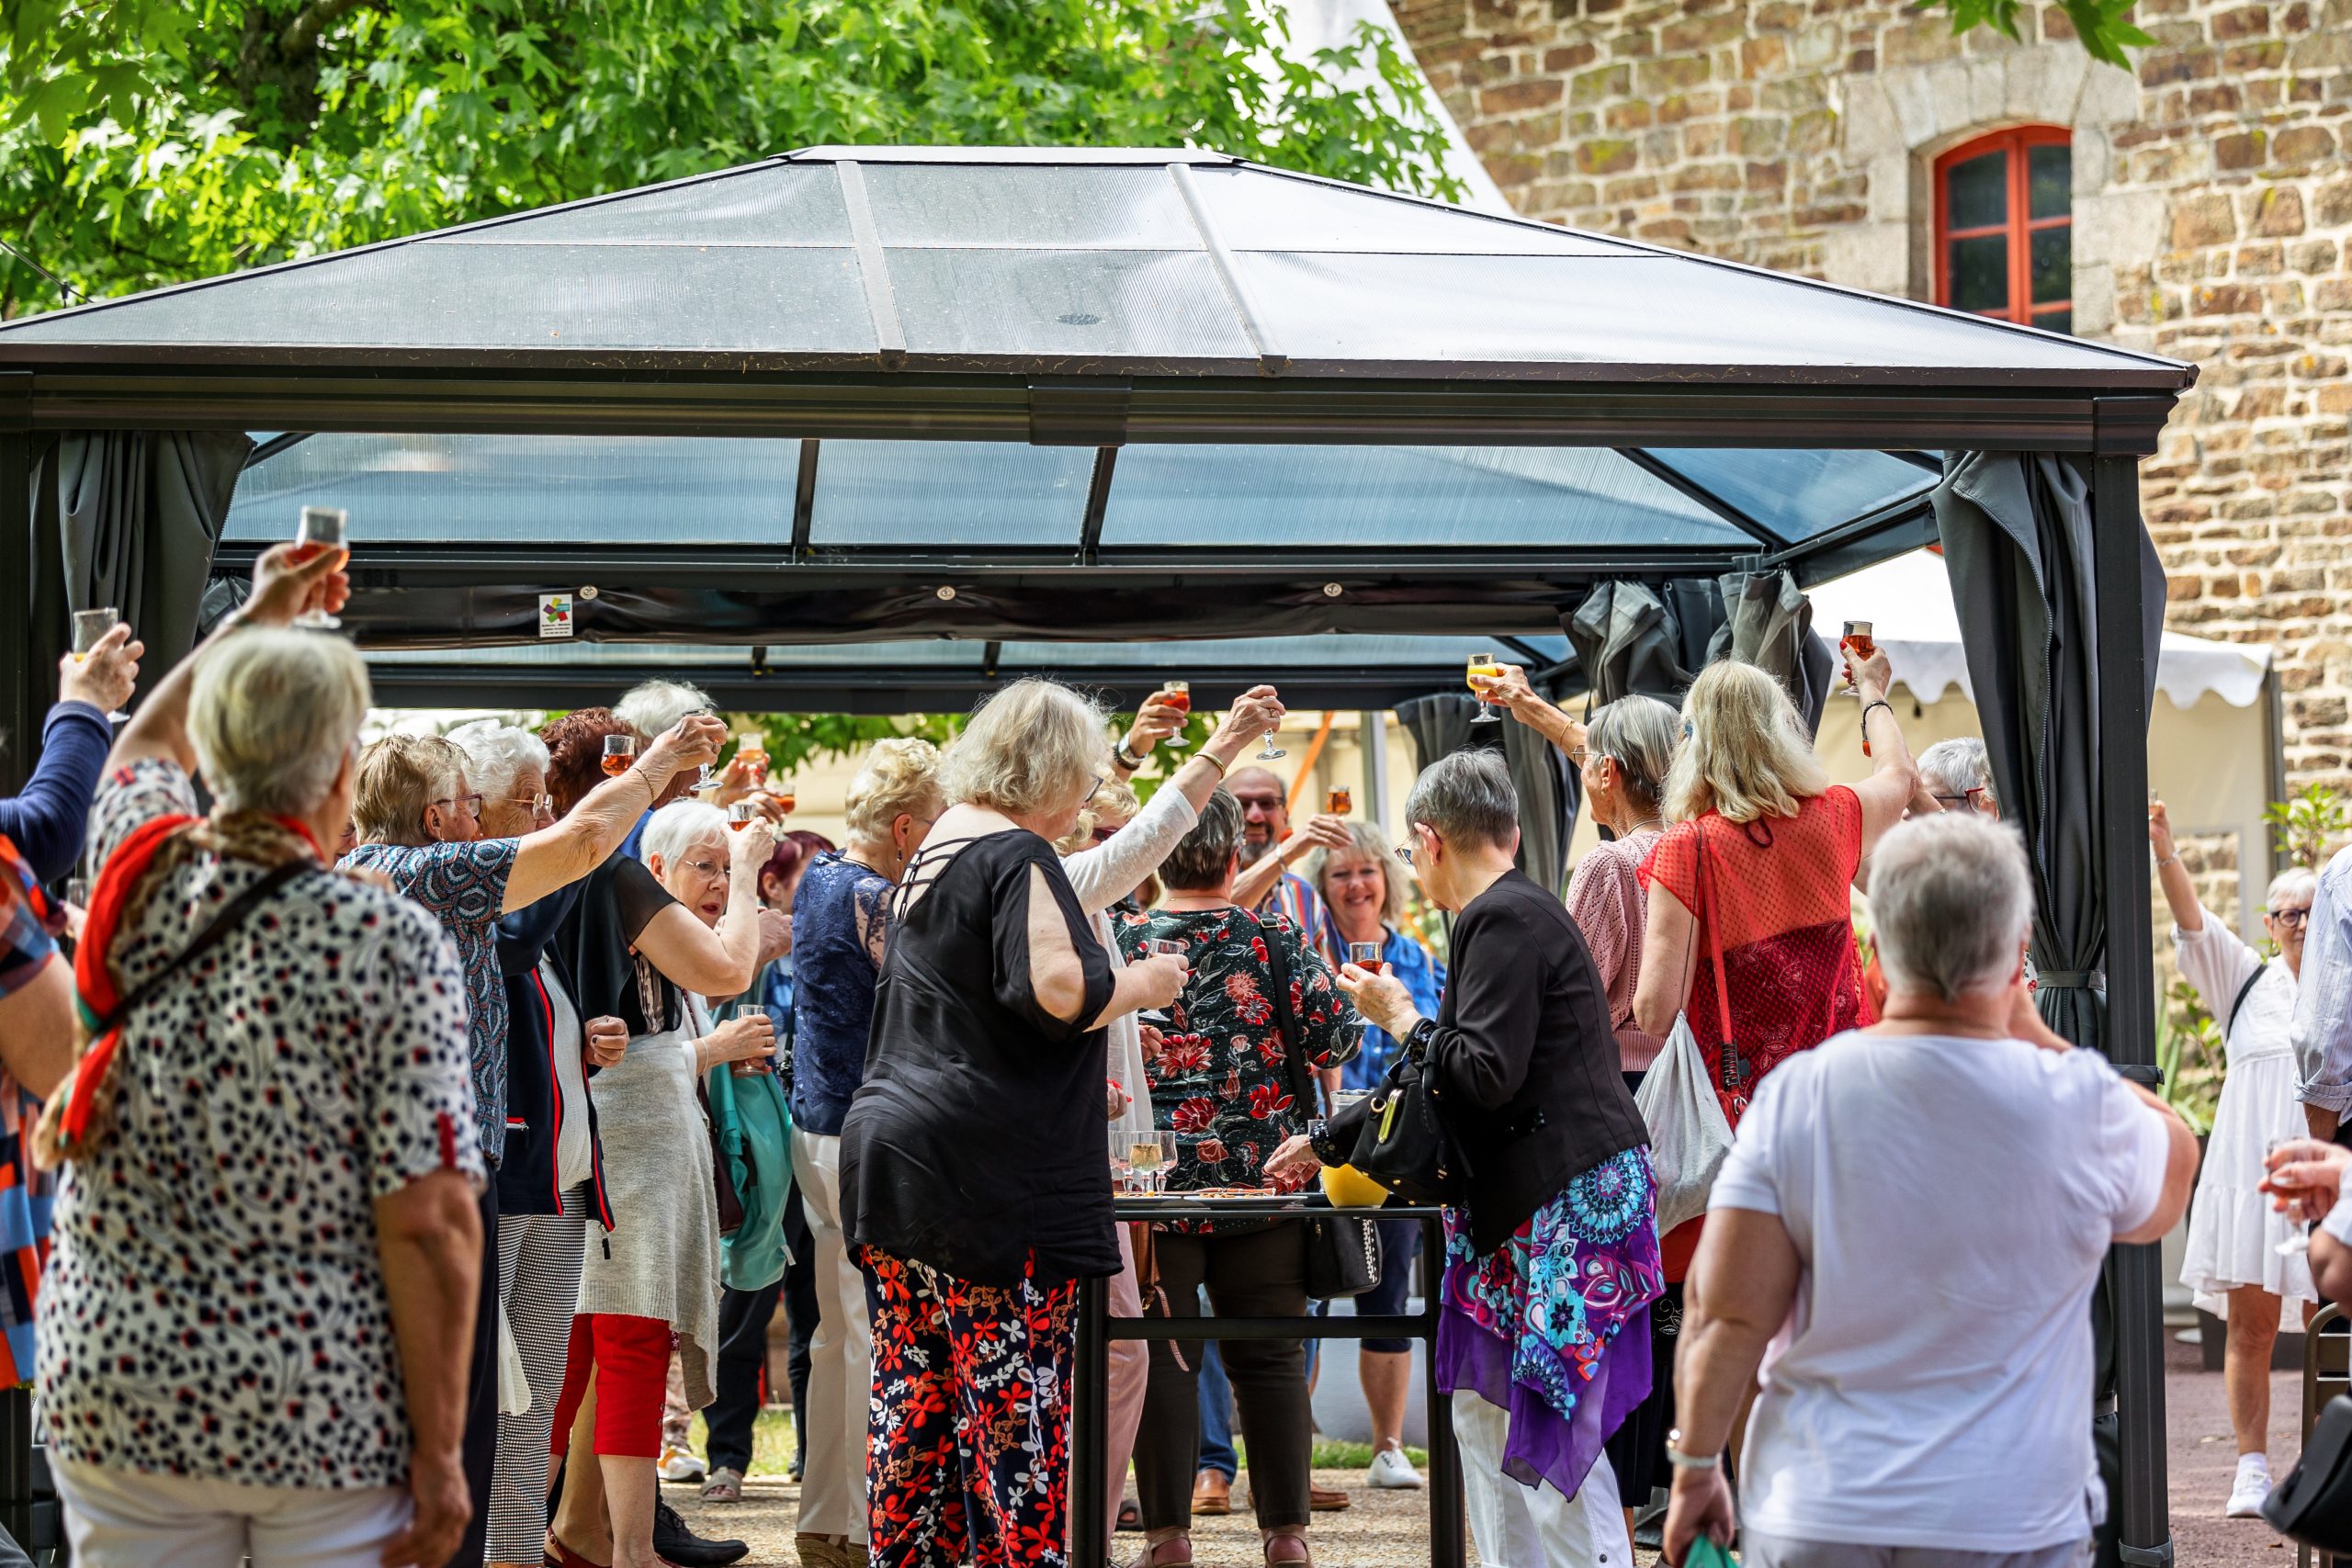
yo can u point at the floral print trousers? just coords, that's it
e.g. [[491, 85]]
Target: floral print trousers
[[969, 1456]]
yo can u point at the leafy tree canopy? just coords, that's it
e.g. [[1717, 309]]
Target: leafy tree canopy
[[150, 142]]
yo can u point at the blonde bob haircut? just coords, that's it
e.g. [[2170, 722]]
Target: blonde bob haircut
[[1745, 752], [273, 715], [1373, 844], [899, 775], [398, 777], [1034, 746]]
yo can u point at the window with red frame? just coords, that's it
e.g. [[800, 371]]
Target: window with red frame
[[2004, 227]]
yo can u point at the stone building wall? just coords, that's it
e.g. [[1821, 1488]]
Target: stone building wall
[[2213, 205]]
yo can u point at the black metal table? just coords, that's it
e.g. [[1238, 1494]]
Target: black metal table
[[1097, 1329]]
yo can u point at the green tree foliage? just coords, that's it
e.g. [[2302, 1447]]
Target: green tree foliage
[[150, 141]]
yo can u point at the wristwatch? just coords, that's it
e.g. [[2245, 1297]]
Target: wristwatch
[[1125, 761]]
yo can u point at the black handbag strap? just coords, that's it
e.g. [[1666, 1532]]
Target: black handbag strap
[[2244, 991], [227, 920], [1302, 1081]]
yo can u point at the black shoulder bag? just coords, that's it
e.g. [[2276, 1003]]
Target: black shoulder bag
[[1342, 1250], [2314, 1506]]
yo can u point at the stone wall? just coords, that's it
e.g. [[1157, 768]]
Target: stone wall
[[2213, 203]]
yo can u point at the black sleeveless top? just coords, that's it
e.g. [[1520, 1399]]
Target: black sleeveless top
[[978, 1138]]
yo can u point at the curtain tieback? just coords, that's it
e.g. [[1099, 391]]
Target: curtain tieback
[[2071, 979]]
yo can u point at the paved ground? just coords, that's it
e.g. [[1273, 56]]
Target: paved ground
[[1391, 1530]]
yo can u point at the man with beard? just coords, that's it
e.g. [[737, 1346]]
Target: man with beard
[[1269, 848]]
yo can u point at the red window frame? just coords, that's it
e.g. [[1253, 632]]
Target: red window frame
[[2016, 141]]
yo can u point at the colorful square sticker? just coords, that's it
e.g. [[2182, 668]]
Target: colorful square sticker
[[555, 615]]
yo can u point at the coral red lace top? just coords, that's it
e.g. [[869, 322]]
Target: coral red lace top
[[1775, 893]]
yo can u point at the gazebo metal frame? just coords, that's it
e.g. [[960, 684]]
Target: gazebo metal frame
[[802, 299]]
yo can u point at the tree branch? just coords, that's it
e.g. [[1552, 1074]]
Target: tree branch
[[302, 35]]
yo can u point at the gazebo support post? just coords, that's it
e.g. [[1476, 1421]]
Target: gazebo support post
[[2140, 1512], [21, 704]]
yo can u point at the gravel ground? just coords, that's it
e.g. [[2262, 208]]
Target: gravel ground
[[1381, 1530]]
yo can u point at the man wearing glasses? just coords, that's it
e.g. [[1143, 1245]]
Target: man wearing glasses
[[1955, 775]]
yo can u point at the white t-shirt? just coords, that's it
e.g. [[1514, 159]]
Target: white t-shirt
[[574, 1155], [1951, 1200]]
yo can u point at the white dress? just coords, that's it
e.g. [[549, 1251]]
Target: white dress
[[2233, 1233]]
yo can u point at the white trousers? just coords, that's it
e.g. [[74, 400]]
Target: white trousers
[[121, 1519], [1533, 1527], [841, 1356]]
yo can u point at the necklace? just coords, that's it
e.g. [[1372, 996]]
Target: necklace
[[1650, 821]]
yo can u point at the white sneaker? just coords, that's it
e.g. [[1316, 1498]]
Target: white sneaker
[[1392, 1471], [680, 1464], [2251, 1487]]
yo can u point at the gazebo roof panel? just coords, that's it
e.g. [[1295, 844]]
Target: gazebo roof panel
[[1059, 262]]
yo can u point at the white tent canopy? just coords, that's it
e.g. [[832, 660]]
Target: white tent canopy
[[1909, 601]]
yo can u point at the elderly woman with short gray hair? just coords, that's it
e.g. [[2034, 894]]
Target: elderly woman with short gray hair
[[1922, 1383], [1551, 1259], [268, 1150], [974, 1180], [1956, 775]]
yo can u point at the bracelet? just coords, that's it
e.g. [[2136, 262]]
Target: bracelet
[[1680, 1461], [1876, 703], [1207, 757], [2172, 859]]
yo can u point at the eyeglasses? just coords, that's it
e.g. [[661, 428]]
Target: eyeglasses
[[1970, 800], [1578, 754], [1100, 780], [1404, 852], [704, 868], [2291, 916], [536, 802], [472, 803]]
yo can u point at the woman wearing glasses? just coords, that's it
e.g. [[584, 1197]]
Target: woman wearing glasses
[[2234, 1265], [1955, 775], [420, 824]]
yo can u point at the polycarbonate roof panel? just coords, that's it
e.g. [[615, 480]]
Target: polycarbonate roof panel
[[1234, 656], [1159, 306], [1398, 495], [1798, 494], [765, 205], [1031, 207], [959, 493], [1627, 308], [458, 294], [556, 490], [1059, 262]]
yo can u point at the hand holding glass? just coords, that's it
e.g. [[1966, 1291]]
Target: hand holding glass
[[322, 530], [1177, 694], [90, 628], [1160, 947], [755, 1066], [1484, 666]]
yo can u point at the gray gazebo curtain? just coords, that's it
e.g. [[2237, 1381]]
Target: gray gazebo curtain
[[2018, 540], [1630, 638], [1549, 791], [129, 518]]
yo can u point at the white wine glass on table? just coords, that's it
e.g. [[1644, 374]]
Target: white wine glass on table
[[322, 530], [90, 628]]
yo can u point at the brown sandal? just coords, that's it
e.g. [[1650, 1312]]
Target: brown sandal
[[1176, 1552], [1301, 1558]]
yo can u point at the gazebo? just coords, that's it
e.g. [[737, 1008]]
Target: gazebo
[[872, 428]]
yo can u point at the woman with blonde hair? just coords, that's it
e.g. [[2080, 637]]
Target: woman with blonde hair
[[975, 1182], [839, 929], [1750, 934]]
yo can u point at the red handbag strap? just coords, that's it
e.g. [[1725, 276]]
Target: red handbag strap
[[1714, 932]]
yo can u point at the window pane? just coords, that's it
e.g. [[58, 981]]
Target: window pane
[[2051, 175], [949, 493], [2059, 320], [1797, 494], [1397, 495], [1980, 272], [2053, 265], [1977, 192]]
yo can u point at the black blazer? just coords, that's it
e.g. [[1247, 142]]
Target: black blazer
[[1523, 1064]]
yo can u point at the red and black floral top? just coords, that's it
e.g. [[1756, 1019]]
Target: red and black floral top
[[1220, 1081]]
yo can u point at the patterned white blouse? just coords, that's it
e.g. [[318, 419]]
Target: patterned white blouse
[[214, 1305]]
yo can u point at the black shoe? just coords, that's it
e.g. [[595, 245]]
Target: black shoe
[[674, 1541]]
